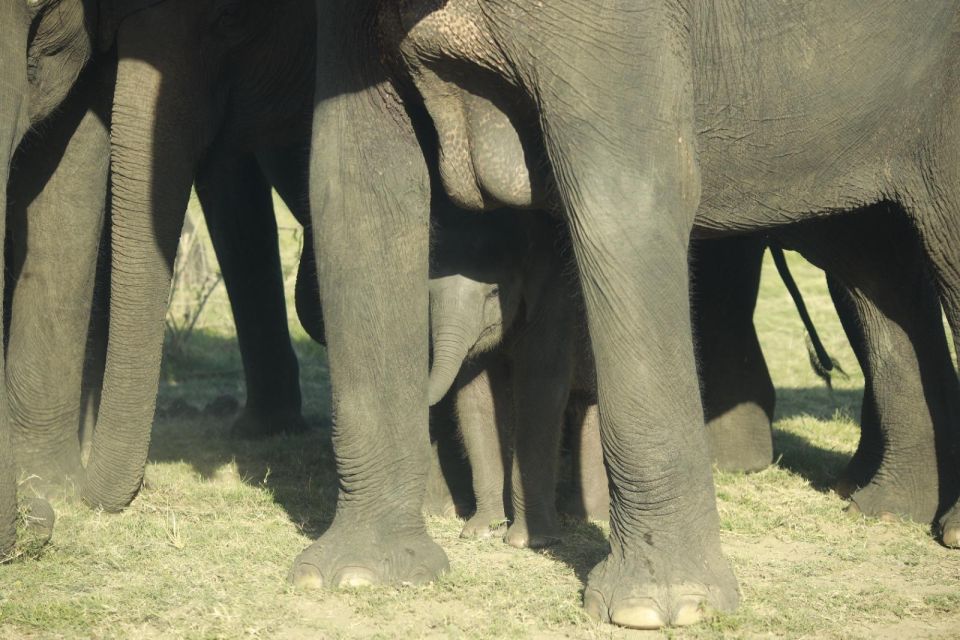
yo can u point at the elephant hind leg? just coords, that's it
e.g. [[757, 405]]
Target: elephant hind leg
[[738, 394], [238, 207], [903, 464]]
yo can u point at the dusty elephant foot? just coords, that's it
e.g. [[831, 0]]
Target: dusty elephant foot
[[348, 557], [528, 535], [858, 473], [253, 424], [884, 500], [484, 525], [950, 527], [741, 440], [35, 520], [660, 589]]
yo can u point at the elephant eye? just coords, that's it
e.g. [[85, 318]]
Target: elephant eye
[[493, 292]]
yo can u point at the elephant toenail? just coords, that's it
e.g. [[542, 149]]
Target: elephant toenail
[[853, 510], [638, 614], [951, 536], [307, 576], [356, 577], [689, 610]]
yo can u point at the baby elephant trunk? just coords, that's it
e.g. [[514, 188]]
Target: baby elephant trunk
[[456, 314]]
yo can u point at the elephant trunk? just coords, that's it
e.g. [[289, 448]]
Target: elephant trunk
[[153, 160], [456, 315]]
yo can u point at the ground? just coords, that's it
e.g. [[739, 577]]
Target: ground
[[205, 549]]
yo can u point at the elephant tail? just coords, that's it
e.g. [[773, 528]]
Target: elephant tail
[[820, 360]]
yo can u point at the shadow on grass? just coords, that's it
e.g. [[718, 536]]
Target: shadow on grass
[[299, 470], [821, 467]]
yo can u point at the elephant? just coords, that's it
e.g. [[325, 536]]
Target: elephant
[[47, 86], [642, 124], [883, 294], [219, 93]]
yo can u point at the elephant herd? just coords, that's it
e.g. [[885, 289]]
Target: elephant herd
[[631, 159]]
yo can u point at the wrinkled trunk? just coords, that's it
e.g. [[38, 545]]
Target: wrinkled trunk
[[153, 164], [456, 315], [13, 123]]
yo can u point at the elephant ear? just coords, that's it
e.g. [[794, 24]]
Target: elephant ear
[[112, 13]]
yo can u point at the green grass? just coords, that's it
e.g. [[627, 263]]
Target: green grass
[[205, 549]]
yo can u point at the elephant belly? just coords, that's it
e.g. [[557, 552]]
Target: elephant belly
[[487, 159], [483, 162]]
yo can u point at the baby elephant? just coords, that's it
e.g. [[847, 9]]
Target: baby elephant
[[509, 338]]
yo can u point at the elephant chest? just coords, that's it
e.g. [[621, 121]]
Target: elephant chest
[[487, 157]]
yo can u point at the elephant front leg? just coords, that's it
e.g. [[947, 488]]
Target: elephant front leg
[[628, 180], [238, 207], [370, 203], [58, 192], [485, 413]]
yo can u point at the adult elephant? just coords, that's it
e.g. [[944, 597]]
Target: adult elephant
[[220, 92], [650, 122], [45, 47], [13, 124]]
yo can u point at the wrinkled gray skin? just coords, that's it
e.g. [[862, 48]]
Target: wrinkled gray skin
[[53, 199], [196, 96], [508, 333], [650, 121], [903, 467]]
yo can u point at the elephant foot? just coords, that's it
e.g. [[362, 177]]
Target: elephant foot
[[861, 468], [253, 423], [533, 535], [741, 440], [889, 501], [950, 527], [484, 525], [35, 520], [359, 555], [675, 585]]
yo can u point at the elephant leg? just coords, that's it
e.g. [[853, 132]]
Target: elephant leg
[[542, 359], [287, 171], [913, 392], [934, 206], [591, 493], [485, 414], [238, 207], [629, 187], [738, 394], [370, 203], [13, 123], [58, 193], [869, 454]]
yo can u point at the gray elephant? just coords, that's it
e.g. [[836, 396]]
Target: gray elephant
[[641, 125], [888, 308], [241, 115], [57, 185]]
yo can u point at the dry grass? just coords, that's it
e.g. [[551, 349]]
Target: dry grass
[[204, 551]]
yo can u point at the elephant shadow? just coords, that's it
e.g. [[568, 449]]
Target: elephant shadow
[[818, 465], [299, 470]]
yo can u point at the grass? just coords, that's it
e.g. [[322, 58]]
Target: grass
[[205, 549]]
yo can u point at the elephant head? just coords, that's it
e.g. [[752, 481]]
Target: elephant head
[[481, 280], [189, 72], [61, 41]]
